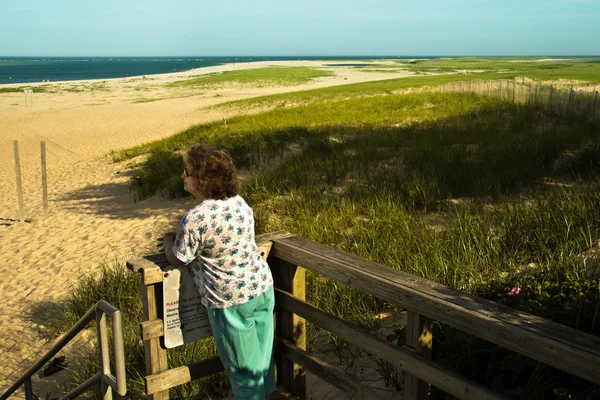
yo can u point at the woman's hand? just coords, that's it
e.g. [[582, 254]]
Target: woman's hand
[[166, 241]]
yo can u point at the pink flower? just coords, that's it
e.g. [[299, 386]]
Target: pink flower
[[587, 299], [514, 291]]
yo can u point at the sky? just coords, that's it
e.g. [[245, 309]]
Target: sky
[[74, 28]]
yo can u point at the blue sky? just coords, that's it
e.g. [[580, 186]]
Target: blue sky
[[307, 27]]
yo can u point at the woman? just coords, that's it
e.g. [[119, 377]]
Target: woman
[[216, 242]]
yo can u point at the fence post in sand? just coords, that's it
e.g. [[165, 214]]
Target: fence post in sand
[[19, 187], [500, 89], [514, 85], [44, 181], [550, 99], [570, 103]]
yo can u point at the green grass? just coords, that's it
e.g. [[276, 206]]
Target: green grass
[[121, 288], [401, 155], [275, 128], [280, 76], [454, 187], [582, 69], [20, 89], [357, 90], [73, 88]]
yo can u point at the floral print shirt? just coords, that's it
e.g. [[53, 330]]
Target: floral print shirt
[[216, 239]]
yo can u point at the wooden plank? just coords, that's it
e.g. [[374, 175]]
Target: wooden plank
[[288, 326], [325, 371], [269, 237], [18, 176], [163, 381], [156, 356], [405, 359], [152, 271], [565, 348], [151, 266], [152, 329], [419, 338]]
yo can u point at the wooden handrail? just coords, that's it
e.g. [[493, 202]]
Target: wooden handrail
[[569, 350], [564, 348], [403, 358]]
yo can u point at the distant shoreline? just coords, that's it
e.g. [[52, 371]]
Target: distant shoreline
[[31, 70]]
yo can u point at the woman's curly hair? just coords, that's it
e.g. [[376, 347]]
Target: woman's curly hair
[[212, 171]]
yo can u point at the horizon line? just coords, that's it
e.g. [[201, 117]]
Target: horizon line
[[312, 55]]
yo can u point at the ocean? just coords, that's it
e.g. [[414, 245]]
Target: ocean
[[38, 69]]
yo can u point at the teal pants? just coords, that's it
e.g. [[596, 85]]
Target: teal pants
[[244, 338]]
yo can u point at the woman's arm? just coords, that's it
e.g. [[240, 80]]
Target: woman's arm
[[168, 240]]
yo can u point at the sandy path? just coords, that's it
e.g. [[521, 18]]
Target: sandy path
[[91, 217]]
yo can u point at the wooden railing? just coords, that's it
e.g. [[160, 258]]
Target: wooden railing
[[553, 344]]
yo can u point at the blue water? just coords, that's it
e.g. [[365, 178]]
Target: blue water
[[38, 69]]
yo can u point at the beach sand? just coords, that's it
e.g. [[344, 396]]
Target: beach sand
[[91, 217]]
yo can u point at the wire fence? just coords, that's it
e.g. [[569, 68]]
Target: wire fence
[[563, 101]]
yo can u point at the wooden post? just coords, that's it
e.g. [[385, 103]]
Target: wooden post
[[550, 99], [500, 89], [44, 181], [514, 85], [19, 187], [595, 106], [419, 338], [156, 356], [289, 326], [570, 103]]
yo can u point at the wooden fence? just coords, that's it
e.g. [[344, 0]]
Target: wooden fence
[[289, 256], [557, 100]]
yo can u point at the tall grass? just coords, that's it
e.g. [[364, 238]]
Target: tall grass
[[582, 69], [114, 283], [281, 76], [454, 187]]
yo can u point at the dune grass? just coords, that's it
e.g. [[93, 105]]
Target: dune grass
[[410, 153], [581, 69], [448, 186], [259, 77], [20, 89], [458, 188], [120, 287]]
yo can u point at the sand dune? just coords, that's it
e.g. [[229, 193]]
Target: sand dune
[[91, 217]]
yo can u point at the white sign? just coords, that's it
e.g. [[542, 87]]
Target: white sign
[[185, 318]]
